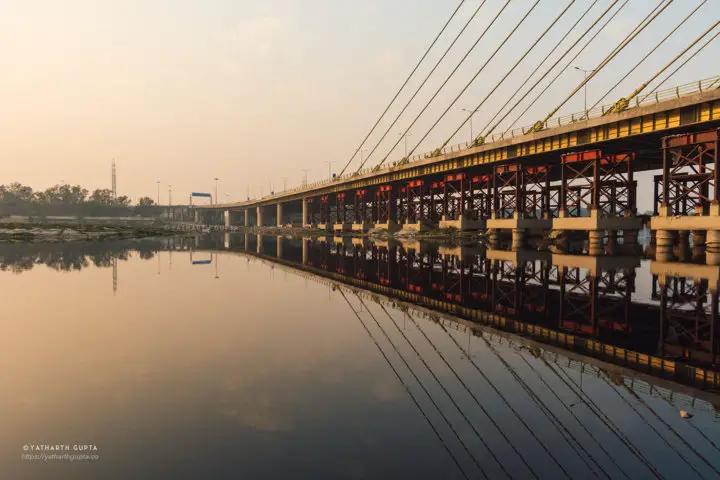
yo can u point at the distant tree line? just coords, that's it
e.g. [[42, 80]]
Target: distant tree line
[[19, 199]]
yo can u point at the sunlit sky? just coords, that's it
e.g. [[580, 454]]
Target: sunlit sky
[[183, 91]]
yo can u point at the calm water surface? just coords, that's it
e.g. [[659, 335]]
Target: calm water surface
[[206, 363]]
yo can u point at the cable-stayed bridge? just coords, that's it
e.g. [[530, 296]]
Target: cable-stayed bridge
[[572, 173]]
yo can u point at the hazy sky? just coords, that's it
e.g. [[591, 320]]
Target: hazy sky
[[182, 91]]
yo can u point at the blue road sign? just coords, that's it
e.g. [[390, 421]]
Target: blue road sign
[[196, 194]]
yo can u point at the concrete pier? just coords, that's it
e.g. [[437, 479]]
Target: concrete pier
[[463, 223], [279, 214], [260, 216]]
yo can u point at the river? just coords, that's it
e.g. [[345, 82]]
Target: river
[[247, 357]]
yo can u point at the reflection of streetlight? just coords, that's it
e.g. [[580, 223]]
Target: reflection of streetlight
[[216, 267], [584, 86]]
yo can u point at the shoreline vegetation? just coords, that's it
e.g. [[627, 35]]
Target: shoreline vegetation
[[31, 232]]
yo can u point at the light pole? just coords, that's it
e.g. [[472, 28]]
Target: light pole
[[158, 187], [405, 138], [304, 180], [472, 113], [284, 179], [170, 201], [584, 86], [330, 162], [216, 198]]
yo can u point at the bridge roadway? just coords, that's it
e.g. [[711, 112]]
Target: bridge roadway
[[577, 176]]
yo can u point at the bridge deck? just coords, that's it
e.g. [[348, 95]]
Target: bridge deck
[[633, 129]]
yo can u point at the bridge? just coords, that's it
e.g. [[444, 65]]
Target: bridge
[[575, 174]]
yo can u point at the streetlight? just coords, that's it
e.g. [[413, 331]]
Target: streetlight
[[405, 137], [170, 212], [472, 113], [304, 180], [158, 187], [284, 179], [584, 86], [330, 162], [216, 198]]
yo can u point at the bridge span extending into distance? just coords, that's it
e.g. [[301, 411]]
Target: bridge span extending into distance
[[572, 174]]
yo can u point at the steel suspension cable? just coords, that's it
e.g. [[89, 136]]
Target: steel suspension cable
[[537, 97], [452, 400], [547, 57], [649, 53], [652, 427], [452, 73], [555, 394], [681, 65], [670, 427], [407, 365], [437, 37], [497, 85], [642, 26], [407, 104], [485, 412], [623, 103], [507, 404], [407, 388], [551, 417], [607, 421], [472, 80]]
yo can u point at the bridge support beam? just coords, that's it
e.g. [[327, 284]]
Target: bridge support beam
[[226, 218], [246, 215], [259, 217], [687, 196], [197, 217]]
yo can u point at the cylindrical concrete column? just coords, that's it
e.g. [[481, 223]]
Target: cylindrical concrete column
[[595, 242], [305, 250], [259, 217], [518, 239], [259, 248], [611, 247], [226, 215], [305, 221], [197, 216], [712, 247], [279, 250], [279, 215], [683, 245], [493, 239], [247, 242], [664, 247], [698, 242], [246, 214]]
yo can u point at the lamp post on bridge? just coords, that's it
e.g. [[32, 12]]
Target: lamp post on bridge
[[472, 114], [216, 195], [330, 162], [158, 189], [584, 86], [405, 138]]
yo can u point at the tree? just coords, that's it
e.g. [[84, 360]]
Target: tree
[[122, 201], [145, 202], [102, 196]]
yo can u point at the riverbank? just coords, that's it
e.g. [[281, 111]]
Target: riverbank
[[60, 233]]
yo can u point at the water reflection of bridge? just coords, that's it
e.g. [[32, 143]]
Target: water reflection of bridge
[[466, 291], [585, 304]]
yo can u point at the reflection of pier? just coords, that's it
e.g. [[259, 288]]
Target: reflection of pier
[[547, 380], [581, 303]]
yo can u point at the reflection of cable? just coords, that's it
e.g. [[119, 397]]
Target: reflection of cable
[[604, 419], [564, 432], [492, 420], [507, 404], [457, 435], [682, 457], [552, 390], [452, 400], [407, 389], [707, 439]]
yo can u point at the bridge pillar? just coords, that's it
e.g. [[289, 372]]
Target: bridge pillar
[[305, 250], [279, 250], [259, 217], [279, 215], [246, 215], [305, 222], [259, 248], [197, 217], [226, 215]]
